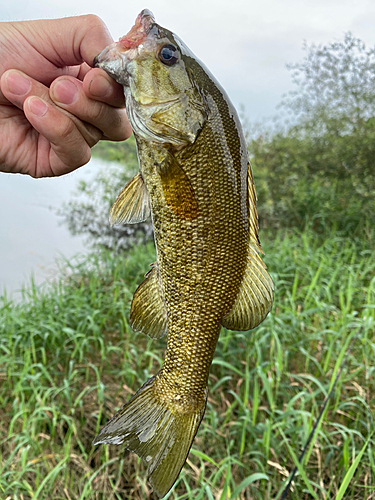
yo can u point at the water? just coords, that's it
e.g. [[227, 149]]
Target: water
[[30, 235]]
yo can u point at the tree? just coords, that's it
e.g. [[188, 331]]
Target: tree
[[335, 86], [323, 167]]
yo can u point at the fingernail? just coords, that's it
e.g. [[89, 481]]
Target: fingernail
[[65, 91], [99, 86], [17, 84], [37, 106]]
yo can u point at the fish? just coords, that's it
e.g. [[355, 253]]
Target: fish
[[196, 182]]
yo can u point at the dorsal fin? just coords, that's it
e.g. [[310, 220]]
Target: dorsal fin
[[254, 298]]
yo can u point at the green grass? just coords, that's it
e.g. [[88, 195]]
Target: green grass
[[69, 360]]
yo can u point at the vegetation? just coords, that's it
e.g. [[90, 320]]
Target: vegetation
[[69, 360], [322, 169]]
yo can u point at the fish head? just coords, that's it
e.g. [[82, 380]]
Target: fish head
[[163, 100]]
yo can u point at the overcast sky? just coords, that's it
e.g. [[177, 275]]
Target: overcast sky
[[244, 43]]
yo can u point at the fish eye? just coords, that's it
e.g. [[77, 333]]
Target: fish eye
[[168, 54]]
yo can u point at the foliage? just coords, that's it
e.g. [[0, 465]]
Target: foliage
[[328, 180], [119, 152], [322, 168], [68, 360], [335, 86]]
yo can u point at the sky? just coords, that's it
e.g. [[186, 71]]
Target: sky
[[246, 44]]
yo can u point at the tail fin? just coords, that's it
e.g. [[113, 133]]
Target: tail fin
[[160, 434]]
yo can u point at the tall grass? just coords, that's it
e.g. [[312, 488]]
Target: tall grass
[[69, 360]]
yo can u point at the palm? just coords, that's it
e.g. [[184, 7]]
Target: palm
[[20, 142]]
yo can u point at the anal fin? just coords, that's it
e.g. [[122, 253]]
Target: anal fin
[[148, 313], [132, 204]]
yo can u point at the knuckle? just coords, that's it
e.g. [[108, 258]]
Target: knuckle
[[77, 155], [93, 135], [86, 156], [119, 129], [108, 120], [67, 129], [122, 134], [94, 21], [98, 114]]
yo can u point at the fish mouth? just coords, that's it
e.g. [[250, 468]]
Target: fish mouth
[[138, 33], [114, 58]]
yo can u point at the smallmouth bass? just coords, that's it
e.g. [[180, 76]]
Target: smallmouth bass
[[196, 182]]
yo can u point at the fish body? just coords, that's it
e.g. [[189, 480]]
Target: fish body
[[195, 180]]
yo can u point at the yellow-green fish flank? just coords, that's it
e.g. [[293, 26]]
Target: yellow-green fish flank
[[196, 182]]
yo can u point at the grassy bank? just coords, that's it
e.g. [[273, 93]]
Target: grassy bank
[[69, 359]]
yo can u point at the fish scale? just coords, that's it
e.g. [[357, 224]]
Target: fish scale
[[196, 183]]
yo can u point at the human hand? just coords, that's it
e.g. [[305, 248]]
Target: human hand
[[53, 106]]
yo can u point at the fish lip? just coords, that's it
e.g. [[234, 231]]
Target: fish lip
[[109, 58], [147, 19], [139, 32]]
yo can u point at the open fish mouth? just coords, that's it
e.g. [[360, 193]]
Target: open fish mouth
[[115, 57], [138, 33]]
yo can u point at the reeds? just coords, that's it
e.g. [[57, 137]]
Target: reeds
[[68, 360]]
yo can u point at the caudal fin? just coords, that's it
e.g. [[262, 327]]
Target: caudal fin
[[159, 433]]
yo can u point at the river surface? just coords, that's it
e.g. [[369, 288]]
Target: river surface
[[31, 236]]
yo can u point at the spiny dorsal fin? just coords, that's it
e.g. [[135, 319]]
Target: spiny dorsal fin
[[255, 296], [148, 314], [253, 214], [132, 204]]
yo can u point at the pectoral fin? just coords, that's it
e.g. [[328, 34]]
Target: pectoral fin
[[148, 313], [178, 191], [132, 204]]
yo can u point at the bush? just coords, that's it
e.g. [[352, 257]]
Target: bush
[[322, 168]]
